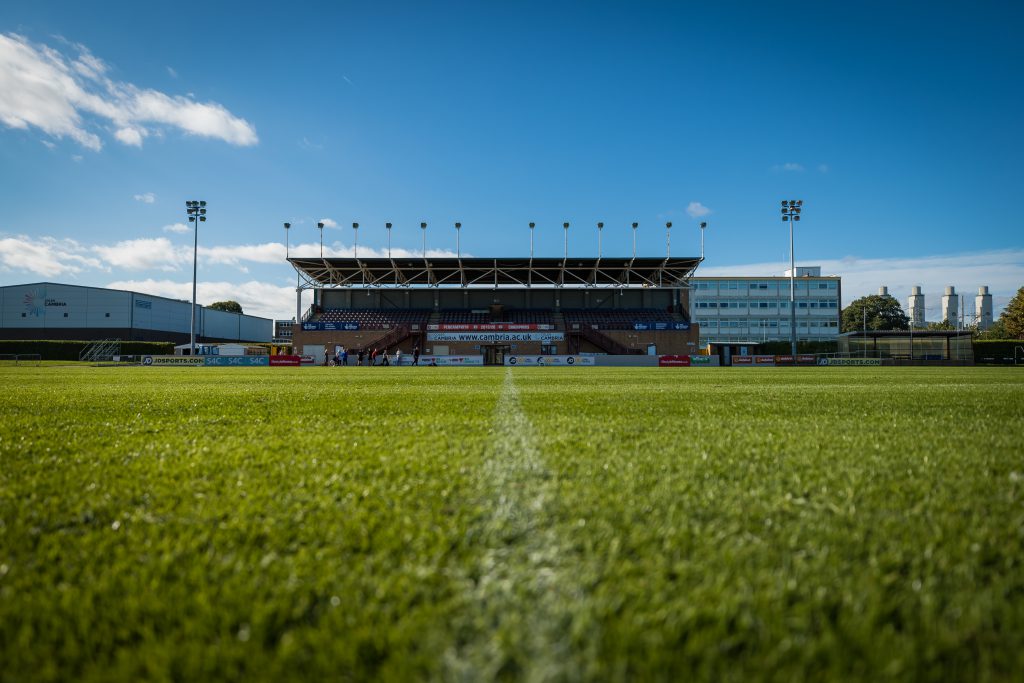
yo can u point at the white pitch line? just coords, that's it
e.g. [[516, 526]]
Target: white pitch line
[[525, 586]]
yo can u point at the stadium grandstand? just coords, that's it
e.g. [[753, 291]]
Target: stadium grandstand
[[495, 308]]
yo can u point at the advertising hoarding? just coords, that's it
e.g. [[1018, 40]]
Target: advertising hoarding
[[549, 360], [321, 326], [494, 336]]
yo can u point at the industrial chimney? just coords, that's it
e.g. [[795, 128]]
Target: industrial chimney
[[983, 308], [915, 306], [951, 307]]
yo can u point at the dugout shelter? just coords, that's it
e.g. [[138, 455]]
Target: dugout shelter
[[496, 307]]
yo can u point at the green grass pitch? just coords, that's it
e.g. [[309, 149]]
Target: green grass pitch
[[535, 524]]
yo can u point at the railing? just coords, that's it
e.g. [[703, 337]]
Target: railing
[[395, 336], [105, 349], [604, 342]]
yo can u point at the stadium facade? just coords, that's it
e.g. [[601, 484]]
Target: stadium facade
[[46, 310], [493, 309], [730, 310]]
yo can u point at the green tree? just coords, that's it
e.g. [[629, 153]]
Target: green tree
[[229, 306], [996, 331], [944, 325], [883, 313], [1013, 317]]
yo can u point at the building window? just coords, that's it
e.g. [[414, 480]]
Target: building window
[[106, 315], [65, 315]]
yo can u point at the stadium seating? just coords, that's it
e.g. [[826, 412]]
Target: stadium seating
[[615, 319], [374, 318], [534, 316]]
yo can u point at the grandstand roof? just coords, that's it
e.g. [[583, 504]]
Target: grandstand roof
[[497, 272]]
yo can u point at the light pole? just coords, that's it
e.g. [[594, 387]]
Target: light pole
[[355, 240], [532, 226], [565, 251], [668, 239], [196, 214], [388, 226], [423, 227], [458, 243], [320, 226], [635, 226], [600, 227], [287, 251], [791, 213], [703, 227]]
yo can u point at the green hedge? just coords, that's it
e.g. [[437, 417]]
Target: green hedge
[[998, 349], [70, 350]]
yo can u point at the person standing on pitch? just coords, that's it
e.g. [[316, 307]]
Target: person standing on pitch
[[338, 348], [359, 357], [344, 356], [416, 355], [398, 357], [373, 357], [384, 358]]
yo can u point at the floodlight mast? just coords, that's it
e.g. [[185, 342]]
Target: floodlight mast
[[423, 227], [355, 240], [196, 211], [320, 226], [703, 227], [600, 227], [791, 212], [668, 239], [565, 252], [388, 227], [635, 226], [532, 226], [458, 242]]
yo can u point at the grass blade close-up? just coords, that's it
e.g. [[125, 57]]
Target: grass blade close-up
[[516, 524]]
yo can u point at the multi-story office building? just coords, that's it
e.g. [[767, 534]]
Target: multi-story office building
[[756, 309], [283, 331]]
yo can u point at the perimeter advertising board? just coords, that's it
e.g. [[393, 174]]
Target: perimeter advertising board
[[674, 361], [549, 360], [488, 327], [180, 361], [237, 361], [447, 360], [658, 326], [495, 336], [284, 361], [318, 326], [849, 361]]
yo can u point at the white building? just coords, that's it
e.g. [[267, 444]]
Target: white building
[[950, 306], [915, 307], [983, 308], [45, 310], [756, 309]]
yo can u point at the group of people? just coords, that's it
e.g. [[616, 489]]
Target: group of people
[[373, 356]]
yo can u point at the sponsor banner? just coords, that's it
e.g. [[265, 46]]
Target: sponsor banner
[[764, 360], [657, 326], [236, 361], [285, 360], [330, 327], [742, 360], [185, 361], [488, 327], [849, 361], [549, 360], [696, 359], [674, 361], [495, 336], [783, 360], [307, 360], [806, 359], [445, 360]]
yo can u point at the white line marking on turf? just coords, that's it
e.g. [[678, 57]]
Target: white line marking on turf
[[525, 588]]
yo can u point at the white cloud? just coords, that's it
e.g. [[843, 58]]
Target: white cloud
[[257, 298], [145, 197], [269, 252], [47, 256], [696, 210], [177, 228], [130, 136], [792, 167], [44, 88], [1002, 271], [157, 253], [329, 223], [171, 72]]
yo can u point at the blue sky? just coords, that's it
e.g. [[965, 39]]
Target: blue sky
[[898, 124]]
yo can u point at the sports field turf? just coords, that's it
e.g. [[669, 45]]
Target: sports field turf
[[534, 524]]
